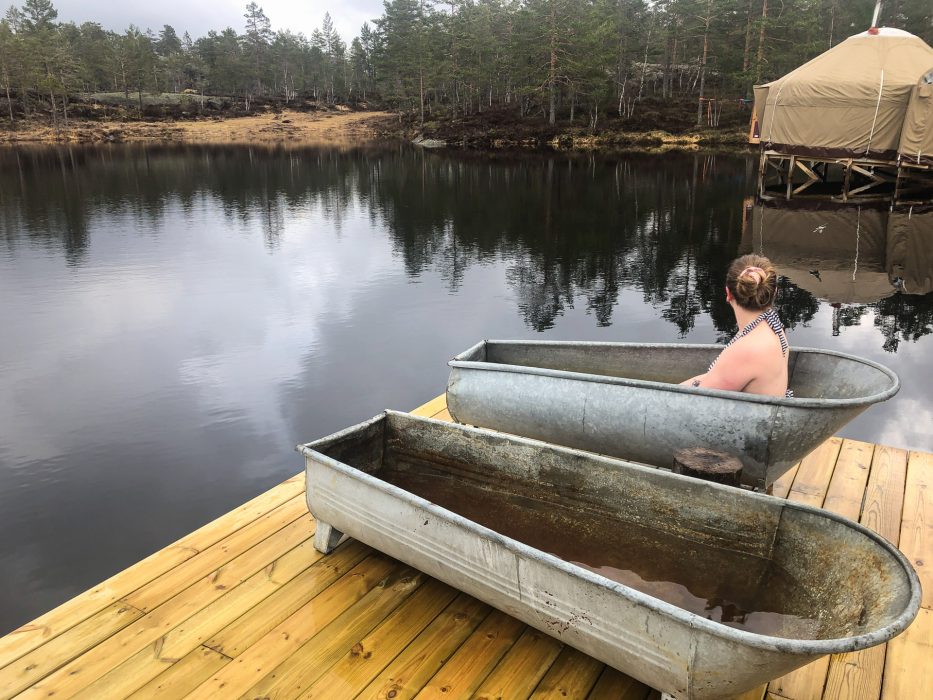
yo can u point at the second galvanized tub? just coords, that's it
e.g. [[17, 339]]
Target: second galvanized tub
[[696, 589], [623, 399]]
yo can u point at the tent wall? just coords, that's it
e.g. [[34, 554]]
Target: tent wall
[[916, 145]]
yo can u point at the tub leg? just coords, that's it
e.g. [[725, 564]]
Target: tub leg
[[326, 537]]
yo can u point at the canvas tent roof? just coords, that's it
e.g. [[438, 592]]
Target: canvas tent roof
[[851, 101]]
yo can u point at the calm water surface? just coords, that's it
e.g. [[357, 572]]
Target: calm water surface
[[175, 320]]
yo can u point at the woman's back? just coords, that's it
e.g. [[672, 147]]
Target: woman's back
[[755, 360]]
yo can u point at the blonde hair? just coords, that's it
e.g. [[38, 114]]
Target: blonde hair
[[752, 280]]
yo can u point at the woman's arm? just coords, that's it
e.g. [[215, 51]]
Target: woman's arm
[[736, 367]]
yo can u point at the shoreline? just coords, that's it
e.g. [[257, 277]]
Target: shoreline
[[343, 128]]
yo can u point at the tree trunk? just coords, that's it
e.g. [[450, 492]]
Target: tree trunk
[[703, 62], [552, 69], [9, 104], [748, 38], [760, 58], [52, 102], [644, 66], [139, 90], [421, 92]]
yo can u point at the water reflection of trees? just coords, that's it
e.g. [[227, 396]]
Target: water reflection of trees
[[904, 317], [574, 231]]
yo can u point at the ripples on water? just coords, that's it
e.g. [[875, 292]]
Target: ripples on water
[[176, 319]]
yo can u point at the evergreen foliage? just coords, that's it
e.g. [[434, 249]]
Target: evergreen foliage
[[559, 59]]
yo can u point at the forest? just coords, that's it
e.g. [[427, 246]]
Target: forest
[[576, 60]]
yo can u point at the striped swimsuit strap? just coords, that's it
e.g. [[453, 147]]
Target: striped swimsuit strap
[[774, 323]]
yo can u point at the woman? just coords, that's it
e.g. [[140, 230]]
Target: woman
[[755, 360]]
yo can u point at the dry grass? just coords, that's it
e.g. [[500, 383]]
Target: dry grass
[[292, 128]]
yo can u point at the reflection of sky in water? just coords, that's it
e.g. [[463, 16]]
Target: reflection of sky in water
[[172, 328]]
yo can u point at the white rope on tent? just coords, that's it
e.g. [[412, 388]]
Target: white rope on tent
[[875, 118]]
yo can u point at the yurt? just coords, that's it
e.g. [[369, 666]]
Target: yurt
[[853, 101]]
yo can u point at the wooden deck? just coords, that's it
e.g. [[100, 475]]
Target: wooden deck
[[245, 607]]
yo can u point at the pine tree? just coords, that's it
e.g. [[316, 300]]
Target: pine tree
[[257, 38]]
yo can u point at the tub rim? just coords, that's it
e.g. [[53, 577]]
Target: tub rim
[[893, 388], [805, 647]]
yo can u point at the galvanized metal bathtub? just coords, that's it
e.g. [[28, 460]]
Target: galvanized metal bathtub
[[623, 399], [857, 588]]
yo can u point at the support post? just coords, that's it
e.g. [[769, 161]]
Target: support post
[[326, 537], [845, 180]]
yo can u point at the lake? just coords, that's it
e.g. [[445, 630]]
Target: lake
[[176, 319]]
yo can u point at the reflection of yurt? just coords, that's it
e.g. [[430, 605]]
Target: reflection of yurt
[[910, 250], [916, 145], [835, 254], [851, 101]]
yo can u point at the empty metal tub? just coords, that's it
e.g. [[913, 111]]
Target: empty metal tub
[[623, 399], [811, 583]]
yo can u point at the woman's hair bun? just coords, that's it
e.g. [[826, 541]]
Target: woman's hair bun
[[752, 280]]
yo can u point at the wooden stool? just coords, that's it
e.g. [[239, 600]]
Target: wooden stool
[[708, 465]]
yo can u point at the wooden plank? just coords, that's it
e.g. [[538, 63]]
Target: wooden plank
[[572, 675], [811, 486], [855, 675], [156, 592], [425, 656], [754, 694], [847, 487], [296, 674], [435, 405], [367, 658], [908, 671], [40, 662], [781, 487], [814, 474], [917, 521], [291, 634], [884, 495], [310, 582], [444, 415], [176, 644], [907, 667], [255, 623], [858, 674], [184, 676], [613, 685], [84, 670], [237, 601], [520, 670], [53, 623], [473, 661]]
